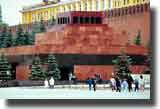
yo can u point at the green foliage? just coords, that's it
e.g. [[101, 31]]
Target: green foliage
[[29, 39], [36, 70], [5, 37], [137, 40], [9, 39], [20, 40], [121, 64], [23, 38], [5, 68], [52, 70]]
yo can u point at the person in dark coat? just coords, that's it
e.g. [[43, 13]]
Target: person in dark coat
[[136, 82], [89, 82], [118, 85], [130, 81], [94, 81]]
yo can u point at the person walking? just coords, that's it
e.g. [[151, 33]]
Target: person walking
[[141, 83], [46, 85], [89, 82], [136, 82], [51, 81], [118, 85], [113, 83], [124, 85], [129, 81], [94, 81]]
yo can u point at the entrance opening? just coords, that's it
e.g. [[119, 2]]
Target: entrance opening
[[14, 70], [65, 70]]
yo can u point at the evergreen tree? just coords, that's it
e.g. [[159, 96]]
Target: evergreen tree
[[28, 39], [3, 37], [9, 39], [52, 70], [5, 69], [137, 40], [36, 70], [121, 65], [20, 39], [23, 38], [14, 42]]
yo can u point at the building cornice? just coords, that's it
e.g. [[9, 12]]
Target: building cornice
[[49, 5]]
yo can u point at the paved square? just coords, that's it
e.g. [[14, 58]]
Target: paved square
[[67, 93]]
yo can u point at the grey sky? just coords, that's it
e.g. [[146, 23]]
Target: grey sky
[[11, 8]]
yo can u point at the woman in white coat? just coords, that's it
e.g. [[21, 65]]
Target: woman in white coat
[[51, 81], [46, 85], [141, 83]]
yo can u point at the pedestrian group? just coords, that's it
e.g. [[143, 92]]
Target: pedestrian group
[[126, 84]]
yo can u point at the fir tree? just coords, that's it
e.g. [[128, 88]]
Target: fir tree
[[3, 37], [137, 40], [53, 70], [9, 39], [36, 70], [5, 69], [20, 39], [23, 38], [121, 64], [28, 39]]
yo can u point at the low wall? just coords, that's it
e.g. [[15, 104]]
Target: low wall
[[82, 72]]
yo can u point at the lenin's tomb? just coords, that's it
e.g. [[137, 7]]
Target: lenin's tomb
[[86, 42]]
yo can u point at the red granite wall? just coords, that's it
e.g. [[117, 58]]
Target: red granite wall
[[96, 39], [22, 72], [82, 72]]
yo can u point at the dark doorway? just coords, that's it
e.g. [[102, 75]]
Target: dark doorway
[[65, 70], [14, 70], [75, 20]]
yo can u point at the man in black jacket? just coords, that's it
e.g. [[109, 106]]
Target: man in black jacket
[[130, 81]]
